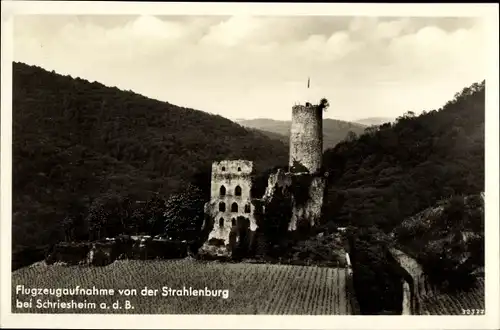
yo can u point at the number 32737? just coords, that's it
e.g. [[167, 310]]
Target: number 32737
[[472, 311]]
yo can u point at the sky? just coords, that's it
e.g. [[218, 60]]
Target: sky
[[245, 67]]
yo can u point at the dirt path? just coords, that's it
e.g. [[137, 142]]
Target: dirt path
[[423, 289], [408, 263]]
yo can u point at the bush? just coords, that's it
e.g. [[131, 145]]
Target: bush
[[319, 249], [166, 249], [377, 277], [448, 241], [69, 253]]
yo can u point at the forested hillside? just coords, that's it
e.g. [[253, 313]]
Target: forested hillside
[[396, 170], [275, 136], [74, 141], [334, 130], [391, 173]]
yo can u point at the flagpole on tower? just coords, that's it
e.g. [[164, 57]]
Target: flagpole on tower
[[308, 95]]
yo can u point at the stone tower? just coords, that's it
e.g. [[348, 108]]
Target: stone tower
[[230, 197], [306, 138]]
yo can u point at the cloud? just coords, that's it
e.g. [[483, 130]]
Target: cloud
[[151, 27], [391, 29], [233, 31], [367, 66], [433, 51]]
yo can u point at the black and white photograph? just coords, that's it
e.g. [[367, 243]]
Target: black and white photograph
[[250, 163]]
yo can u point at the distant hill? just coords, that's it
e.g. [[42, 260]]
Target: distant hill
[[334, 130], [74, 140], [272, 135], [374, 121]]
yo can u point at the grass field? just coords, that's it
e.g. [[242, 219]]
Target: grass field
[[253, 288]]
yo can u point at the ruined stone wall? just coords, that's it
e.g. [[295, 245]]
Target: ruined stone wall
[[306, 137], [230, 197], [308, 211], [104, 252], [278, 180]]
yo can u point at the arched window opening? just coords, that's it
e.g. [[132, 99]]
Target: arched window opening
[[222, 190], [239, 169], [221, 222], [233, 221], [234, 207], [222, 207], [223, 168], [237, 191], [247, 208]]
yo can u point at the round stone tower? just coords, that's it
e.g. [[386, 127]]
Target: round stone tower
[[306, 138]]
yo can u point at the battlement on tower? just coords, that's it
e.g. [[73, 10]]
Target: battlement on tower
[[227, 167]]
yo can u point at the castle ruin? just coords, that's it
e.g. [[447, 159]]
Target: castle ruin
[[304, 182], [230, 197]]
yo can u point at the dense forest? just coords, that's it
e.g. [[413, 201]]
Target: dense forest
[[334, 130], [82, 150], [412, 184], [394, 171]]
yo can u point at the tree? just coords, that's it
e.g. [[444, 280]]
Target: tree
[[184, 213], [73, 223], [154, 215], [323, 104], [240, 238], [108, 215], [351, 136], [96, 219], [68, 224]]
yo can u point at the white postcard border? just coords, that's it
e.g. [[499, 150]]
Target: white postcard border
[[489, 320]]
